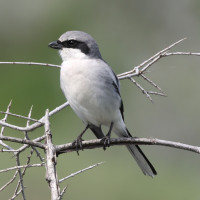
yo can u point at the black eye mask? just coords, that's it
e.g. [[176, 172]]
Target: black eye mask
[[74, 44]]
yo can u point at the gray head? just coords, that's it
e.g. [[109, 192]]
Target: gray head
[[76, 44]]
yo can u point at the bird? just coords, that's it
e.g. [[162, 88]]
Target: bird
[[93, 91]]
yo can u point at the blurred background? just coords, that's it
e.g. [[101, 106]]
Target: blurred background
[[128, 32]]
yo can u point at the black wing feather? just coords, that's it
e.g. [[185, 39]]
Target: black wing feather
[[121, 108]]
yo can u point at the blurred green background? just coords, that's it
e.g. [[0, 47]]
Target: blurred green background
[[128, 32]]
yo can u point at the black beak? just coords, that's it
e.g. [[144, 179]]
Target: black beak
[[56, 45]]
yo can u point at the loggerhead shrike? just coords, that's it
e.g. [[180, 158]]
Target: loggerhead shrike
[[93, 91]]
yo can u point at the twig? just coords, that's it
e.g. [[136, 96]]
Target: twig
[[150, 59], [18, 128], [3, 128], [9, 182], [80, 171], [142, 89], [157, 93], [152, 62], [20, 116], [6, 146], [10, 151], [63, 192], [27, 137], [15, 195], [39, 139], [6, 116], [154, 59], [31, 63], [24, 171], [35, 125], [152, 83], [181, 54], [162, 52], [22, 166], [23, 141], [21, 181]]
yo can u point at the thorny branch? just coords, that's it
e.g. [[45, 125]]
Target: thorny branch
[[51, 151], [51, 173]]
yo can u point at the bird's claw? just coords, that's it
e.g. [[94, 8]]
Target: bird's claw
[[106, 142], [78, 144]]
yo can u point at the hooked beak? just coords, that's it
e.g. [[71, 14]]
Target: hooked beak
[[56, 45]]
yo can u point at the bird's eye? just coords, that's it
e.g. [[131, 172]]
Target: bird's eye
[[72, 43]]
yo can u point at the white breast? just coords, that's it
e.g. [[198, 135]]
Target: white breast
[[87, 84]]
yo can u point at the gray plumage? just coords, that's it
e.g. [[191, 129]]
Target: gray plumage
[[93, 90]]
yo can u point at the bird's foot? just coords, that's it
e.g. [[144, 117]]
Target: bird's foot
[[78, 144], [106, 141]]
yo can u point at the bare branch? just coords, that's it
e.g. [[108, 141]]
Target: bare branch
[[142, 89], [23, 173], [150, 59], [62, 193], [51, 150], [10, 151], [31, 63], [15, 195], [37, 124], [59, 108], [3, 128], [22, 166], [26, 146], [18, 128], [9, 182], [136, 71], [152, 62], [51, 174], [140, 69], [157, 93], [23, 141], [20, 116], [152, 83], [6, 146], [6, 116], [97, 143], [27, 137], [182, 54], [21, 181], [80, 171], [29, 116]]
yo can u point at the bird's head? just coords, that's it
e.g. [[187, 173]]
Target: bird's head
[[76, 45]]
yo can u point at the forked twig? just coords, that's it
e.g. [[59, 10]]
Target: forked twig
[[142, 89]]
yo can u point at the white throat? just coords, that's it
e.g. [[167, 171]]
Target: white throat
[[69, 53]]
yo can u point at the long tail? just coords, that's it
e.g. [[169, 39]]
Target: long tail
[[143, 162]]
